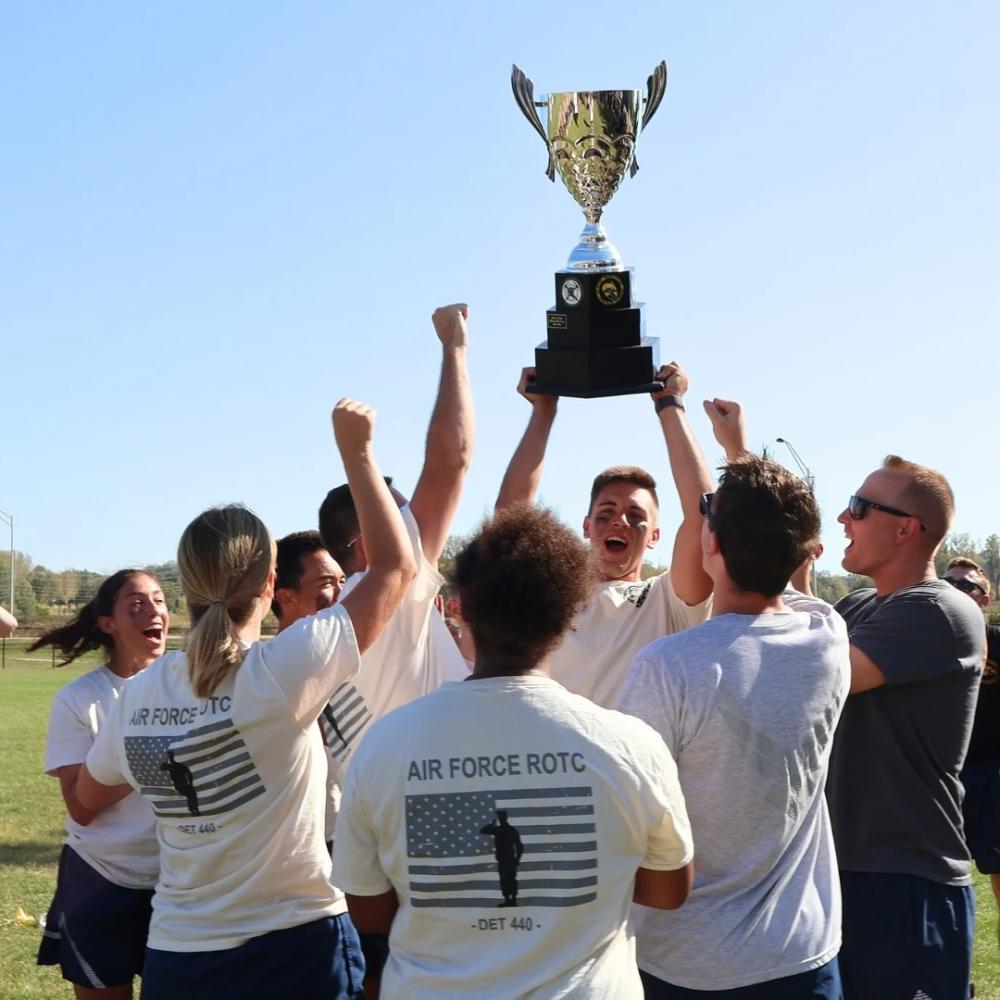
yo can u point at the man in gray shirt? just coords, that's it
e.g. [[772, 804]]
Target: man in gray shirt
[[747, 703], [917, 651]]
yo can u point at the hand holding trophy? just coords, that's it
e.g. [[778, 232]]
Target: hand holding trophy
[[595, 343]]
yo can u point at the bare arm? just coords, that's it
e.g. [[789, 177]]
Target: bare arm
[[390, 558], [865, 674], [449, 437], [87, 796], [664, 890], [690, 582], [524, 473], [7, 623], [373, 914]]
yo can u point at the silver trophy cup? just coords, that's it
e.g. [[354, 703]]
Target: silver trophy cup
[[590, 136]]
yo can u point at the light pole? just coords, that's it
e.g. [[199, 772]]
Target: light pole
[[8, 519], [810, 481]]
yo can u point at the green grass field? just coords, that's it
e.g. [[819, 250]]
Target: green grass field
[[31, 832]]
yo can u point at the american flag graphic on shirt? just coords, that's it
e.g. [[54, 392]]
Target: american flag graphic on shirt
[[206, 771], [452, 863], [343, 720]]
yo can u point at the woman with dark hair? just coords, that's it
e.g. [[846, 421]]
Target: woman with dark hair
[[222, 739], [97, 923]]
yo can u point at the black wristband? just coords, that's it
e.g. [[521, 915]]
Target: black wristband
[[664, 401]]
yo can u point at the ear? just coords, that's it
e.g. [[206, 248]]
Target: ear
[[586, 527], [361, 554], [285, 597], [268, 591], [710, 546], [654, 537], [105, 624], [908, 529]]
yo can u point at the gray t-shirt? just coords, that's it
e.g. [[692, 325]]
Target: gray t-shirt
[[895, 798], [748, 704]]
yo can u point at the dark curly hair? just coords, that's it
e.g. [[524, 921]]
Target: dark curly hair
[[521, 580], [765, 519]]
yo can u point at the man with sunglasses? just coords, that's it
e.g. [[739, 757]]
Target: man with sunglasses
[[895, 797], [981, 774]]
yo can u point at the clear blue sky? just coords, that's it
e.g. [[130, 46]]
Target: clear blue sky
[[219, 218]]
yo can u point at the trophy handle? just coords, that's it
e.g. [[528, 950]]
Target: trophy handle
[[524, 94], [656, 86]]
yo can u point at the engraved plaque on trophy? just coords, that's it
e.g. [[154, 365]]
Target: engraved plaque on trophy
[[596, 344]]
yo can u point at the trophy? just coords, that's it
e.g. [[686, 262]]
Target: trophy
[[596, 344]]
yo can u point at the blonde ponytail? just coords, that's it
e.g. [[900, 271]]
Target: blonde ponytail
[[224, 557]]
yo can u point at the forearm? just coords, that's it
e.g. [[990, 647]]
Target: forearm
[[524, 473], [86, 797], [373, 914], [7, 623], [387, 545], [449, 452], [451, 433]]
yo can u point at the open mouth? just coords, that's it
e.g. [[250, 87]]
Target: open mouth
[[616, 546], [154, 632]]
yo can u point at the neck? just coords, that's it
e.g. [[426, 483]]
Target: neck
[[729, 600], [896, 576], [128, 666], [249, 631], [500, 666]]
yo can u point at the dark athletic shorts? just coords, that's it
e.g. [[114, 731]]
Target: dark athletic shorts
[[95, 931], [906, 936], [320, 960], [981, 812], [819, 984]]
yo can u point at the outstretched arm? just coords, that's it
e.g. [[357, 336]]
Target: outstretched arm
[[390, 555], [690, 582], [520, 481], [449, 437]]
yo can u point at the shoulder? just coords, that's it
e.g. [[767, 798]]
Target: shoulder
[[854, 601]]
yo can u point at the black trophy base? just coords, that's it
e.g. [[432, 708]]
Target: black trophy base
[[589, 374], [596, 339]]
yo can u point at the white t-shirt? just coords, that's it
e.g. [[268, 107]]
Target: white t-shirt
[[237, 782], [619, 619], [414, 654], [589, 796], [120, 842], [748, 705]]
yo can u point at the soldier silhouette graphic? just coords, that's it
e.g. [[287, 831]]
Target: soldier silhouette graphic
[[507, 850], [183, 781]]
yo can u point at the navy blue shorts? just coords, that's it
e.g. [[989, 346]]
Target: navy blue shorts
[[819, 984], [981, 813], [320, 960], [906, 936], [95, 931]]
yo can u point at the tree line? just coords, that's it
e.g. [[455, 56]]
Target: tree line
[[42, 593]]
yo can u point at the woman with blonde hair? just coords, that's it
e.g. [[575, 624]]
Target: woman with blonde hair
[[97, 924], [222, 741]]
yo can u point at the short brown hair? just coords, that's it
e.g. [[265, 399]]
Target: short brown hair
[[339, 527], [521, 579], [766, 521], [623, 474], [964, 562], [926, 495]]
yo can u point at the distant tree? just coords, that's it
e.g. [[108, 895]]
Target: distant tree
[[451, 549], [42, 583], [26, 605], [831, 587], [990, 561], [65, 586], [857, 582], [955, 544]]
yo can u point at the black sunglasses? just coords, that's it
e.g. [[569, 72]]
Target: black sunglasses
[[857, 506], [966, 586], [705, 504]]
